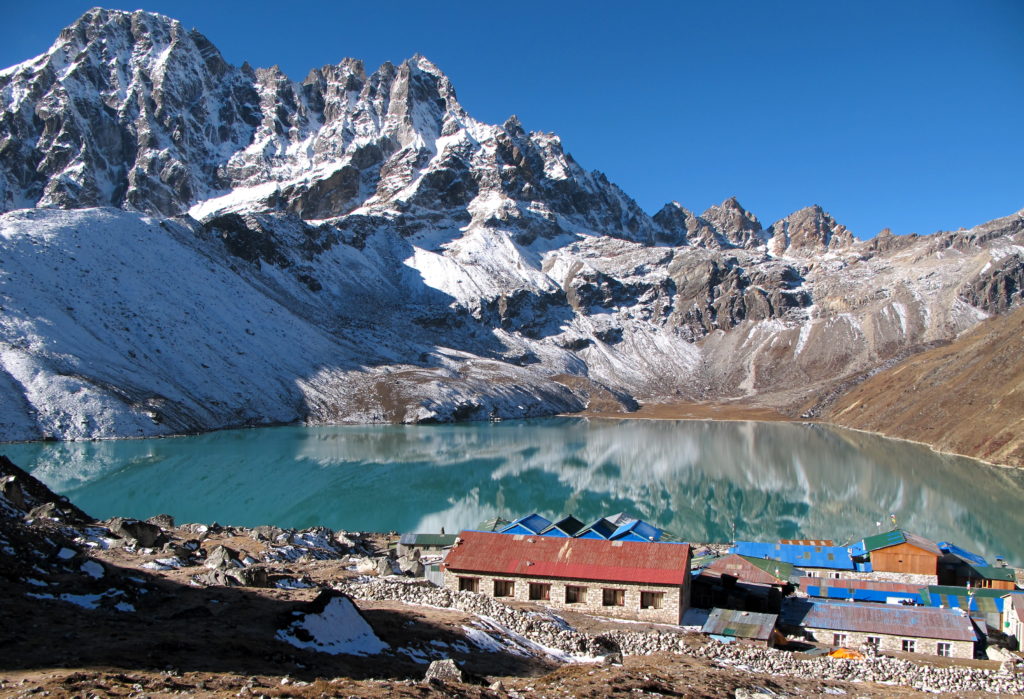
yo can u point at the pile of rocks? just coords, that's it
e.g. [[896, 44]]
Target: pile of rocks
[[881, 669]]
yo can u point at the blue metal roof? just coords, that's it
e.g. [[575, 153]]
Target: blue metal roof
[[637, 530], [566, 527], [530, 524], [832, 557], [600, 529], [828, 591], [962, 553]]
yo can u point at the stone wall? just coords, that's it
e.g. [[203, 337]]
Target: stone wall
[[908, 578], [890, 643], [675, 599], [553, 633]]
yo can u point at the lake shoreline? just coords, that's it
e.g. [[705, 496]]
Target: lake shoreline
[[731, 412]]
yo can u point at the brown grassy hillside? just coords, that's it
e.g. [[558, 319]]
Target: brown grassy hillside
[[966, 397]]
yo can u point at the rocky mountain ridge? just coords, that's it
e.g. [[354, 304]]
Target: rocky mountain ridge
[[190, 245]]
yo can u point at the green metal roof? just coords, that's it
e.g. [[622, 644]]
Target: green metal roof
[[992, 573], [898, 536], [955, 591], [432, 540], [770, 566], [884, 540]]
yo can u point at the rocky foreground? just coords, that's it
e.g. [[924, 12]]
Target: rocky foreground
[[130, 608]]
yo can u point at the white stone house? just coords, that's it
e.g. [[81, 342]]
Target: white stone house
[[887, 627], [625, 579]]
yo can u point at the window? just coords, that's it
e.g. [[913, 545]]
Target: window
[[836, 576], [909, 646], [540, 591], [875, 641], [944, 649], [613, 598], [574, 594], [839, 639], [651, 600], [504, 588], [469, 584], [812, 573]]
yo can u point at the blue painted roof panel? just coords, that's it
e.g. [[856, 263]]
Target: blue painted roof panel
[[831, 557], [963, 553]]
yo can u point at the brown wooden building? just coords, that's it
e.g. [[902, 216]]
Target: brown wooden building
[[902, 552]]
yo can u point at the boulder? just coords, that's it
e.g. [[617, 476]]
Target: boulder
[[266, 533], [11, 490], [135, 531], [253, 576], [444, 671], [222, 558], [162, 521]]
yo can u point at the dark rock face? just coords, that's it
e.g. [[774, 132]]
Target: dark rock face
[[92, 129], [998, 287]]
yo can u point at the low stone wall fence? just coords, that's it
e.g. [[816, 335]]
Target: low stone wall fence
[[550, 631]]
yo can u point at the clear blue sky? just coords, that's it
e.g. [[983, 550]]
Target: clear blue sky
[[904, 114]]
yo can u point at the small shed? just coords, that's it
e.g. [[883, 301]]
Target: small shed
[[1013, 618], [749, 627], [898, 551], [426, 543]]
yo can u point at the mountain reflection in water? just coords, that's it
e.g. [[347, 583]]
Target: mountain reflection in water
[[702, 481]]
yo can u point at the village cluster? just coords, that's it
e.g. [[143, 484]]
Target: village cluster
[[890, 592]]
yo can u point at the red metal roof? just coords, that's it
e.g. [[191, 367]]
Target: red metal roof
[[572, 559]]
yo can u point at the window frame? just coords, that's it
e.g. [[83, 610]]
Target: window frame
[[655, 599], [539, 592], [508, 588], [579, 591], [618, 597], [468, 584], [946, 646], [909, 645]]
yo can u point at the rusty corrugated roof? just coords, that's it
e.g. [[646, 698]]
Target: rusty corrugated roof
[[750, 570], [730, 622], [574, 559], [808, 542], [890, 619]]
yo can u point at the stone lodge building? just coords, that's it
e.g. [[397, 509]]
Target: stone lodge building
[[887, 627], [626, 579]]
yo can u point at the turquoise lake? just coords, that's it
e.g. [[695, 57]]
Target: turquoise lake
[[702, 481]]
